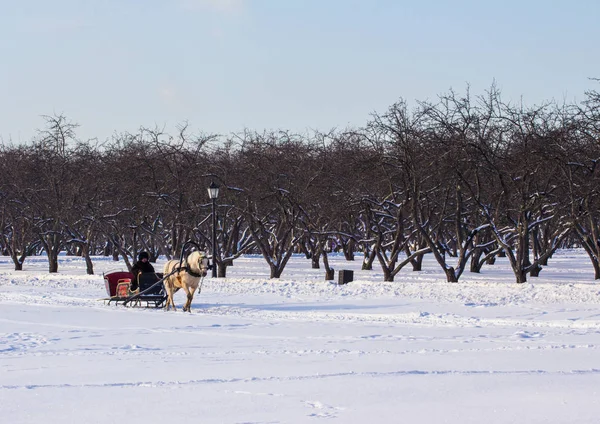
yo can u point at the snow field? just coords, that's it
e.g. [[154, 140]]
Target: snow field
[[300, 350]]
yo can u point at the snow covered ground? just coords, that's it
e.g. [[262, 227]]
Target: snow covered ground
[[302, 350]]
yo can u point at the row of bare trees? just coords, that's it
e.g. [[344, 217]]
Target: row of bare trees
[[465, 179]]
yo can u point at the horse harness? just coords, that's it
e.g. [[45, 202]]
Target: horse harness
[[187, 269]]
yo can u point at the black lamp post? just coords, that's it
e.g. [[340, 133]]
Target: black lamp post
[[213, 193]]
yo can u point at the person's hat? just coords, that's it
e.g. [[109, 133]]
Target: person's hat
[[143, 255]]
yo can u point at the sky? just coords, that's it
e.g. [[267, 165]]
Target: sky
[[224, 65]]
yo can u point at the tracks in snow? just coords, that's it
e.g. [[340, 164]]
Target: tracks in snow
[[371, 374], [284, 313]]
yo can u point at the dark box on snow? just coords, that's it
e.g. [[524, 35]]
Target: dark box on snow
[[345, 276]]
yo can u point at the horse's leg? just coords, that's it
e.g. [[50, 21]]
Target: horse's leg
[[169, 294], [190, 298], [173, 300], [188, 302]]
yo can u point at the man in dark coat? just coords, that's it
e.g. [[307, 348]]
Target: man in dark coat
[[142, 265]]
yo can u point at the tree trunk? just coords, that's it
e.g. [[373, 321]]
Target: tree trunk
[[387, 275], [329, 272], [222, 268], [516, 262], [315, 260], [307, 253], [89, 266], [590, 245], [16, 261], [417, 262], [367, 264], [276, 272], [596, 265], [451, 276], [348, 252], [596, 270], [52, 262], [535, 271], [476, 265]]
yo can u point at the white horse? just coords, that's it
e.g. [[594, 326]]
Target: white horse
[[186, 277]]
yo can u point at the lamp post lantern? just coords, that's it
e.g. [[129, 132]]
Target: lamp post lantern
[[213, 193]]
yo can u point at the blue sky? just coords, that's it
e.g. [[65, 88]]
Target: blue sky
[[226, 65]]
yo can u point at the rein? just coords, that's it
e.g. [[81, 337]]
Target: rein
[[189, 271]]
